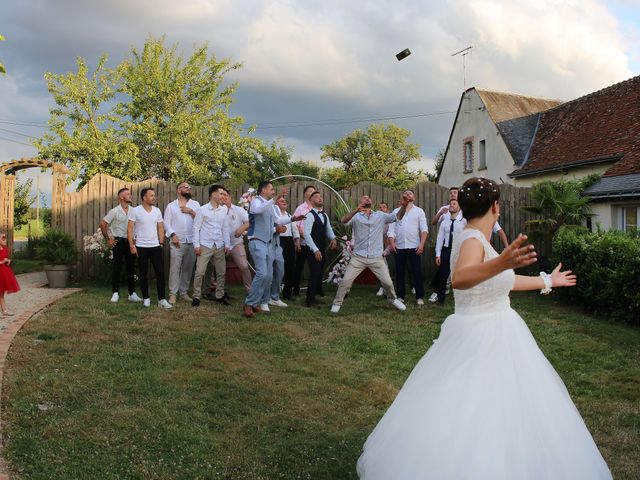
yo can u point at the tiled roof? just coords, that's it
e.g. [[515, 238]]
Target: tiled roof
[[518, 134], [618, 186], [603, 126], [505, 106]]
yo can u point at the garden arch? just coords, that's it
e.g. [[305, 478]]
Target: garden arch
[[7, 191]]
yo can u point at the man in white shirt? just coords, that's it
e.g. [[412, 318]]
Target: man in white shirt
[[407, 239], [178, 227], [211, 242], [449, 227], [442, 214], [114, 230], [317, 229], [368, 233], [302, 251], [238, 220], [284, 254], [145, 233]]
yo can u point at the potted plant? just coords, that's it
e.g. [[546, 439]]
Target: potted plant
[[58, 251]]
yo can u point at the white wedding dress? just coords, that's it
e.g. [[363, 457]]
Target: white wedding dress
[[483, 403]]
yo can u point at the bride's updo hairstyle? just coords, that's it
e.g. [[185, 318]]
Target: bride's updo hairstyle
[[476, 196]]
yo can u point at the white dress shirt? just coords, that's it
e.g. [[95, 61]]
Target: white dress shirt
[[292, 228], [308, 226], [445, 229], [407, 231], [180, 223], [211, 228], [447, 216], [236, 217]]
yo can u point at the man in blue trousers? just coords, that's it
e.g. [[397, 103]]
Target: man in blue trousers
[[261, 233]]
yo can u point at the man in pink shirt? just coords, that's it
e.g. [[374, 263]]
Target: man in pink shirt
[[300, 245]]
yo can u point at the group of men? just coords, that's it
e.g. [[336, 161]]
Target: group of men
[[280, 244]]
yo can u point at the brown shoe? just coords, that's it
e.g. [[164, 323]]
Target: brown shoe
[[256, 309], [247, 311]]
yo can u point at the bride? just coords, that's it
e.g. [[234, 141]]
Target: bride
[[484, 403]]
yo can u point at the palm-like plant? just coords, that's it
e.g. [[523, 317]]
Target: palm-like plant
[[556, 204]]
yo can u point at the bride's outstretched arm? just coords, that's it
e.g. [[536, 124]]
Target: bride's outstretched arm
[[558, 279], [472, 270]]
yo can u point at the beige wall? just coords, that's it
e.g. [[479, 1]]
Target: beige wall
[[573, 174], [604, 218], [474, 121]]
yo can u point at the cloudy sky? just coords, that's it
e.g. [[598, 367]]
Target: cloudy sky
[[314, 70]]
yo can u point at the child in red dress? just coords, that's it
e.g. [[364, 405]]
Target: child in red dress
[[8, 282]]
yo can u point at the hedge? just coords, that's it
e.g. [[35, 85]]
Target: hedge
[[608, 268]]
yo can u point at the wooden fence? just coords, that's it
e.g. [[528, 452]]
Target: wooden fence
[[83, 210]]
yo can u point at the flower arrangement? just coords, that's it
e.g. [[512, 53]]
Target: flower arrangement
[[97, 244], [336, 274], [246, 197]]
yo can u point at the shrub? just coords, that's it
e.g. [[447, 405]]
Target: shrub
[[608, 268], [56, 247]]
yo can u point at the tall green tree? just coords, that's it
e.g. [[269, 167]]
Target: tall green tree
[[177, 112], [156, 114], [84, 131], [22, 201], [379, 154]]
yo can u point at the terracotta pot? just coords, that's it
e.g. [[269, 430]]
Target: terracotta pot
[[57, 275]]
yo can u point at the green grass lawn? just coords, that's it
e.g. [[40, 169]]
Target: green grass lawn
[[101, 391], [25, 265], [34, 227]]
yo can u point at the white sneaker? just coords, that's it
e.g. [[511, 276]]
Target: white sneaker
[[277, 303], [413, 291], [380, 292], [420, 302], [264, 307], [164, 304], [398, 304], [146, 302], [336, 308], [433, 298], [115, 297], [135, 298]]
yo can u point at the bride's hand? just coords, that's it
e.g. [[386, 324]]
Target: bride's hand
[[516, 255], [562, 279]]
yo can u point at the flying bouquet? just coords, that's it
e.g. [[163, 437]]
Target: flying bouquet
[[340, 266], [97, 244]]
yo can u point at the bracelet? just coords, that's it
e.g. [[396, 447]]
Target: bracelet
[[546, 278]]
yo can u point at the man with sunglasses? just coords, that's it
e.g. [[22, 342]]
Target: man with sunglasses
[[178, 227]]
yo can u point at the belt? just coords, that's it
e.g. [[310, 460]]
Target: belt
[[255, 238]]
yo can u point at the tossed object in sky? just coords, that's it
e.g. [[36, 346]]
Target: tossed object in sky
[[403, 54]]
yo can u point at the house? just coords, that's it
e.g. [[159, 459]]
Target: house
[[523, 140]]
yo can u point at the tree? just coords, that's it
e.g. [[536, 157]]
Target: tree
[[380, 154], [439, 162], [155, 115], [83, 128], [22, 200], [177, 114]]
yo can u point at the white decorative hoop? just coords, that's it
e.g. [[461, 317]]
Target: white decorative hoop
[[315, 180]]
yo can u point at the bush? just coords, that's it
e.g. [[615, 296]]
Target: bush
[[56, 247], [608, 268]]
